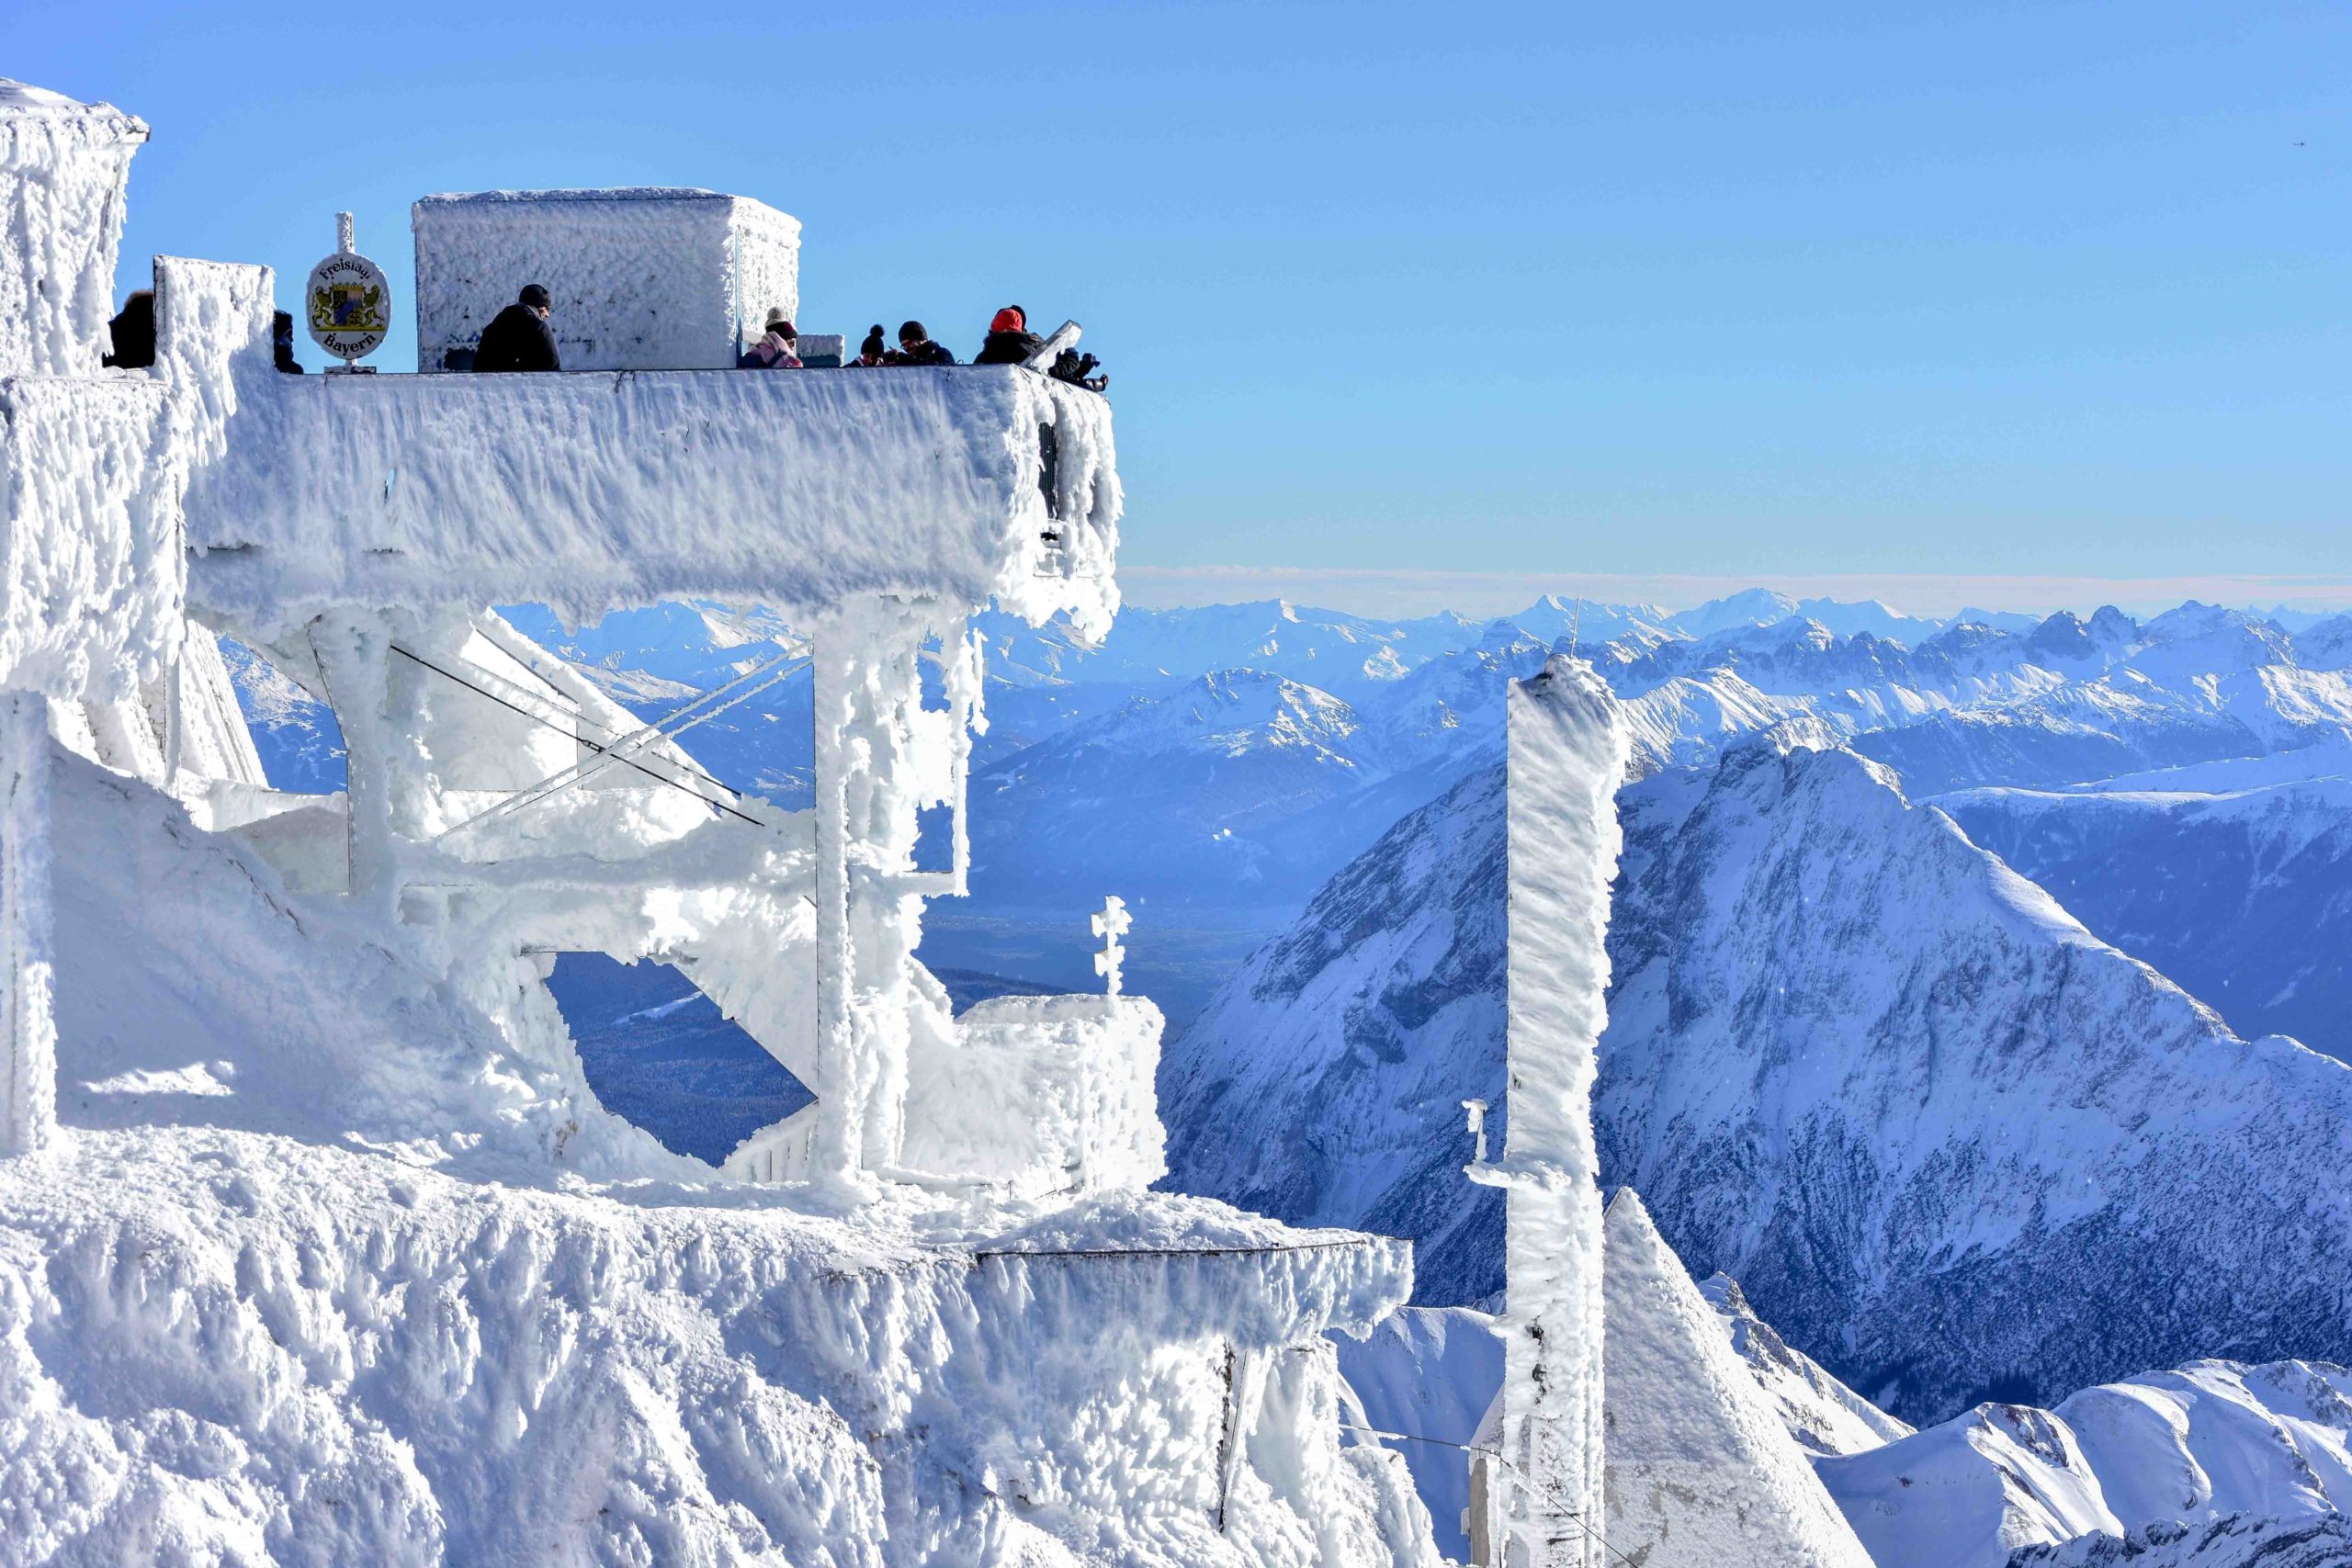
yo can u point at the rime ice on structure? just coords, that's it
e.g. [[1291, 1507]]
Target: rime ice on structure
[[1537, 1500], [333, 1198], [354, 528], [641, 279], [1626, 1427], [89, 561]]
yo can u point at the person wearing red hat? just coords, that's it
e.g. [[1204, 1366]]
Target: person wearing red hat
[[1010, 341]]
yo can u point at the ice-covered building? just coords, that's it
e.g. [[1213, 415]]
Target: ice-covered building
[[297, 1147], [316, 1243]]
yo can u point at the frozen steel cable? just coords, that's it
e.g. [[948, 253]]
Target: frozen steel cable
[[629, 761]]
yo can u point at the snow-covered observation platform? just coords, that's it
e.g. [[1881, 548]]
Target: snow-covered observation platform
[[296, 1146]]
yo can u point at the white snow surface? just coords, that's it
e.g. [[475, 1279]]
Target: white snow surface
[[2239, 1541], [327, 1265], [1968, 1492], [2210, 1444], [1701, 1473]]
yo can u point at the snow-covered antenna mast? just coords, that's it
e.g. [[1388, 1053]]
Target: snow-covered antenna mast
[[1111, 925], [1575, 627]]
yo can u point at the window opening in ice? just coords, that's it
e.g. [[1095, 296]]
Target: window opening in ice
[[935, 839], [654, 659], [931, 677], [296, 734], [660, 1053], [1049, 471]]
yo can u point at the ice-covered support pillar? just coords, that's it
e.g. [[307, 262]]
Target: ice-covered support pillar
[[1541, 1487], [63, 169], [881, 757], [28, 1054], [353, 650]]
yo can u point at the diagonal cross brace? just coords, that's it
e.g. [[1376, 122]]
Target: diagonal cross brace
[[709, 706]]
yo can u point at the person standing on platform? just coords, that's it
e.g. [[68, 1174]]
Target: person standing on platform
[[518, 338]]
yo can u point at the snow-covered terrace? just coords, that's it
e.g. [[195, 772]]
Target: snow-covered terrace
[[597, 489]]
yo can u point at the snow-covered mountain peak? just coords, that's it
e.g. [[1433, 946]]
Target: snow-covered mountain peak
[[1229, 711], [1749, 607]]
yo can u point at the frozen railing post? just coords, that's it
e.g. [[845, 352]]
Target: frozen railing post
[[28, 1054], [1540, 1494], [1109, 927]]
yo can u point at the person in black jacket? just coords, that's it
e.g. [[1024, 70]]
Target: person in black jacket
[[915, 347], [1010, 341], [134, 333], [282, 343], [518, 338]]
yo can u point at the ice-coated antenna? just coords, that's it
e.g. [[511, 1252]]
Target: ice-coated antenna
[[1575, 627]]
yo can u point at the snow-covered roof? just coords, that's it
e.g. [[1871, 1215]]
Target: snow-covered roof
[[23, 101], [591, 192]]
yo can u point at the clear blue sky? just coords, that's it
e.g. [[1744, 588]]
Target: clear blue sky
[[1719, 289]]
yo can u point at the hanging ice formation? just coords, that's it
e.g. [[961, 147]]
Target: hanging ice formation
[[934, 1316]]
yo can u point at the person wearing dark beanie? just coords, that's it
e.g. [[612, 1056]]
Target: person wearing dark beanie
[[915, 347], [518, 338], [873, 350]]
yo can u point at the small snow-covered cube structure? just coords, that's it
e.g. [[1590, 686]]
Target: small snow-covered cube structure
[[642, 278], [62, 169]]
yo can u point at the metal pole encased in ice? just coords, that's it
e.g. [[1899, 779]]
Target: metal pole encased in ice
[[1567, 754], [879, 758], [28, 1052]]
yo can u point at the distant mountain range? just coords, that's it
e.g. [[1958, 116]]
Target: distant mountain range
[[1953, 1145], [1963, 1151]]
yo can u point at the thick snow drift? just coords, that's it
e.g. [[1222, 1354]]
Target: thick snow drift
[[328, 1267], [592, 491]]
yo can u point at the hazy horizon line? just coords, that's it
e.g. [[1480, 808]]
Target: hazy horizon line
[[1927, 596]]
